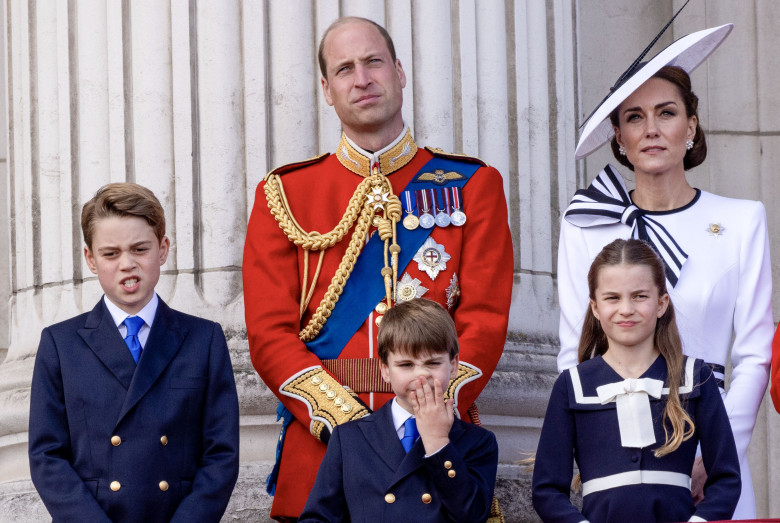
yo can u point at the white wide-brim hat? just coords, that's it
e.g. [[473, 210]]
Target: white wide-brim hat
[[687, 52]]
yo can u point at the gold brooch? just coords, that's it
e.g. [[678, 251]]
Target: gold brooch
[[715, 229]]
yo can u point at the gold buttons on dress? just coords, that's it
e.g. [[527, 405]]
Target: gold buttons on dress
[[324, 387], [426, 498], [448, 464], [116, 441], [381, 308], [164, 440], [338, 401], [163, 486], [115, 485], [451, 473], [378, 320], [346, 408], [316, 380], [330, 394], [390, 498]]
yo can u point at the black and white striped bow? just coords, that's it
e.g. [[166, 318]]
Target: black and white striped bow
[[606, 201]]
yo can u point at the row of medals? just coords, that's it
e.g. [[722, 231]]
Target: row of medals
[[427, 200]]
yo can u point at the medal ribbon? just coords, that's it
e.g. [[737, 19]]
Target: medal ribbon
[[364, 289], [456, 198], [607, 201], [447, 200], [407, 201], [434, 204]]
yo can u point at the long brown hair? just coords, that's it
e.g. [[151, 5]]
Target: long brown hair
[[593, 341]]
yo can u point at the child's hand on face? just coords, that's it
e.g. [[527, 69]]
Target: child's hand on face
[[434, 414]]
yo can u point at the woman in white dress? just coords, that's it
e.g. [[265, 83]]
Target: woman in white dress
[[716, 249]]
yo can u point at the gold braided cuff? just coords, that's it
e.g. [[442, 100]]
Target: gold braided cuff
[[329, 403], [466, 373]]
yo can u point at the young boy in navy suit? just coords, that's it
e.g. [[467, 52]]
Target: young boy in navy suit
[[377, 468], [143, 428]]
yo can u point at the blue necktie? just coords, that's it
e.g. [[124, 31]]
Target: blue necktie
[[133, 324], [410, 434]]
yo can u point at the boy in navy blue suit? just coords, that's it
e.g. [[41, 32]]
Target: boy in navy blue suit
[[143, 428], [411, 458]]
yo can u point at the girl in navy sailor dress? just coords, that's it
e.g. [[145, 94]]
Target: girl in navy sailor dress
[[633, 411]]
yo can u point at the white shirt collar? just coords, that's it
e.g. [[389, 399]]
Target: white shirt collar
[[400, 415], [146, 314]]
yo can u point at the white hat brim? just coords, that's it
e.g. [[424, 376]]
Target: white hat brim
[[687, 52]]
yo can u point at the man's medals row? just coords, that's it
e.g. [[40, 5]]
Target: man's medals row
[[428, 207]]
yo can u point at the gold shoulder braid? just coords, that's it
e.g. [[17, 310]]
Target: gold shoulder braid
[[372, 202]]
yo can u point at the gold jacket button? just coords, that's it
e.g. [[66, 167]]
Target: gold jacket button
[[451, 473], [448, 464], [164, 440], [115, 485], [381, 308], [316, 380], [390, 498], [426, 498], [116, 441], [346, 408], [163, 486], [378, 320]]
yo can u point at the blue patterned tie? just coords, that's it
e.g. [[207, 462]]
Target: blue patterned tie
[[410, 434], [133, 324]]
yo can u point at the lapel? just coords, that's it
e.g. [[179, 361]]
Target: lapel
[[164, 341], [380, 433], [102, 336]]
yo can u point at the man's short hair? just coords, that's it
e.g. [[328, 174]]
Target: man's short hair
[[346, 20], [417, 327], [122, 200]]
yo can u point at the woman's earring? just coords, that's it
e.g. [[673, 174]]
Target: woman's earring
[[622, 150], [689, 145]]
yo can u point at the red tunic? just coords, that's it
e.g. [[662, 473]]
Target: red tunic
[[318, 193]]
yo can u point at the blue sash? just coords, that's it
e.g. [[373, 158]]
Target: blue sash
[[366, 287]]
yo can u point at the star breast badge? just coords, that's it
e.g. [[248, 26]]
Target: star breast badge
[[431, 258], [715, 229], [409, 288]]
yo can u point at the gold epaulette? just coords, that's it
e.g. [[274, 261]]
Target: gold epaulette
[[286, 168], [454, 156]]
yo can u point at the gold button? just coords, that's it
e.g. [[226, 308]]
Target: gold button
[[164, 440], [426, 498], [163, 486], [116, 441], [390, 498], [115, 486], [346, 408], [378, 320], [451, 473], [381, 308], [330, 394], [324, 387], [338, 401], [316, 380], [448, 464]]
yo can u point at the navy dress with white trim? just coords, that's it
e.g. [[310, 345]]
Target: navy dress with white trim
[[628, 483]]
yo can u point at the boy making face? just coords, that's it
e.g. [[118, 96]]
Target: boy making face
[[140, 429], [374, 470]]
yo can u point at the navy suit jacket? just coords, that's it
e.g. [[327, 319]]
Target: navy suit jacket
[[109, 441], [366, 476]]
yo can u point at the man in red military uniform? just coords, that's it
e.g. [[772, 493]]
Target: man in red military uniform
[[334, 241]]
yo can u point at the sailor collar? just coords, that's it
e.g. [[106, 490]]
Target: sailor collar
[[588, 376], [390, 159]]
